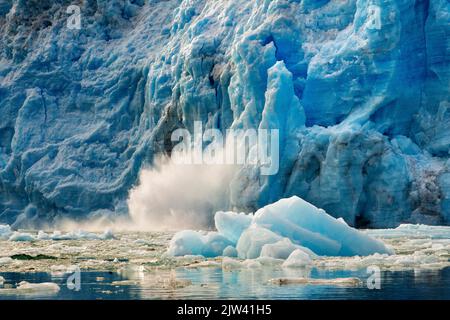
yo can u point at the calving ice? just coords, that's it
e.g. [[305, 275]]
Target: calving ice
[[250, 147]]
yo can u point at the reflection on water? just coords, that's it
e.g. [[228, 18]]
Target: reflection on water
[[216, 283]]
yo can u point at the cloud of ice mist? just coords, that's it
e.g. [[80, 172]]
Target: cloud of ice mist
[[172, 196]]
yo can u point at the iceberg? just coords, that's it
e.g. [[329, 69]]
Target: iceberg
[[291, 229], [313, 228]]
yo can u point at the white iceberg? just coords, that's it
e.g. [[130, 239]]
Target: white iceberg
[[313, 228], [276, 231]]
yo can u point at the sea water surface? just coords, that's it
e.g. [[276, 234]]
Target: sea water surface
[[215, 283]]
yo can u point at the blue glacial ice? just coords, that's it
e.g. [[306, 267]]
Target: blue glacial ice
[[232, 224], [297, 259], [291, 229], [360, 91]]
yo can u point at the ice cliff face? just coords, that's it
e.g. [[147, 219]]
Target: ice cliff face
[[360, 90]]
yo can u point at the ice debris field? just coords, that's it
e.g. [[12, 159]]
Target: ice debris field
[[290, 233]]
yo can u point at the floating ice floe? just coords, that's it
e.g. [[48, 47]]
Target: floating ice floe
[[7, 234], [346, 282], [5, 261], [36, 287], [413, 231], [20, 236], [277, 231], [27, 288]]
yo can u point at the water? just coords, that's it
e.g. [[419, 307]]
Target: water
[[216, 283]]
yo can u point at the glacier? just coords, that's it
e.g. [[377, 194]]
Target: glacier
[[359, 89]]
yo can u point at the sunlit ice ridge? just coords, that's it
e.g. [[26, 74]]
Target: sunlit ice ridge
[[359, 91]]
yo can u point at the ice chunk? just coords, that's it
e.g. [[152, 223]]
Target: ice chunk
[[194, 243], [5, 260], [252, 241], [2, 281], [282, 249], [20, 236], [43, 236], [230, 251], [306, 225], [298, 259], [214, 244], [231, 224], [276, 231], [229, 263], [5, 232], [27, 287], [186, 243], [107, 235], [345, 282]]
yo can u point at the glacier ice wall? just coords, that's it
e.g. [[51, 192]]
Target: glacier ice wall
[[360, 90]]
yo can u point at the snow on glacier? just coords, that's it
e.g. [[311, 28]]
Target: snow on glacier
[[359, 89], [288, 229]]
